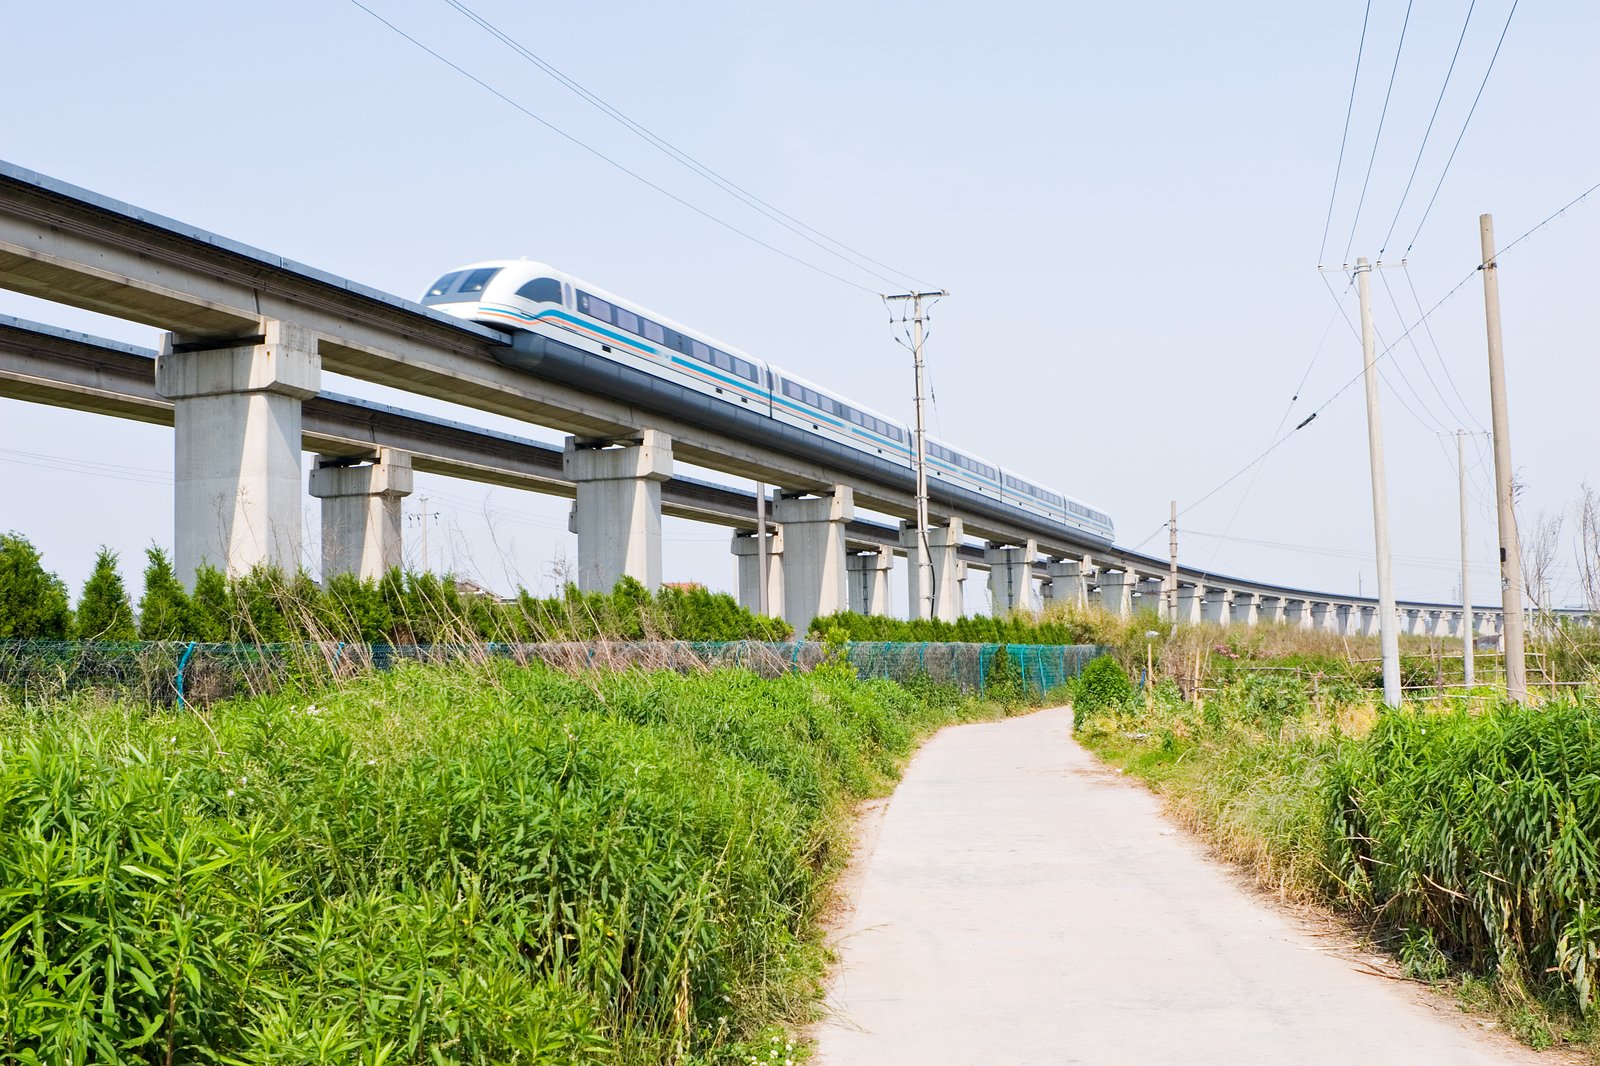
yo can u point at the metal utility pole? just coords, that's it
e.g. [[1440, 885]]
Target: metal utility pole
[[761, 547], [1510, 544], [1388, 623], [1172, 562], [1466, 581], [925, 588]]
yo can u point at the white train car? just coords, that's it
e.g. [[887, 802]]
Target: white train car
[[532, 297]]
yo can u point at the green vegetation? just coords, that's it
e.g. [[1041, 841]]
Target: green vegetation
[[496, 864], [33, 602], [1465, 832], [1067, 624], [103, 610]]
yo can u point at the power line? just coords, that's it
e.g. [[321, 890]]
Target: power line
[[1400, 316], [1470, 112], [607, 159], [1428, 132], [1378, 136], [1333, 193], [782, 218], [1439, 355]]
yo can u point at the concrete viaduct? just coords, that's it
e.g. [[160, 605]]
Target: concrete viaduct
[[247, 335]]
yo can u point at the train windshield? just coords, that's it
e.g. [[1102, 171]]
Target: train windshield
[[541, 291], [460, 285]]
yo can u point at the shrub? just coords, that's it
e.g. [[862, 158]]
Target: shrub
[[1101, 687], [103, 610]]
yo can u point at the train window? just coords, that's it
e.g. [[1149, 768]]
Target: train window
[[593, 307], [627, 320], [721, 360], [478, 280], [746, 369], [700, 351], [793, 391], [541, 290], [654, 332], [446, 283]]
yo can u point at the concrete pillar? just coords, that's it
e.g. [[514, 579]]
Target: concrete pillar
[[361, 511], [1218, 606], [815, 581], [944, 546], [1147, 596], [1273, 610], [1010, 577], [1116, 592], [1191, 600], [1246, 608], [1367, 623], [1323, 617], [1299, 613], [236, 476], [745, 547], [1411, 621], [869, 579], [617, 516], [1069, 580]]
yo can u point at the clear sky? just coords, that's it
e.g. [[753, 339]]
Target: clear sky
[[1126, 202]]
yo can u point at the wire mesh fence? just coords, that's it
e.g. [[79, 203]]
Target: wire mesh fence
[[180, 673]]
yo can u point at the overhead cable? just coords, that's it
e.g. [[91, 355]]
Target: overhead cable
[[1333, 194], [552, 127], [1378, 136]]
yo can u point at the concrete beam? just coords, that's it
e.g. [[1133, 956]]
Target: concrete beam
[[1067, 580], [236, 416], [617, 514], [361, 512], [815, 581]]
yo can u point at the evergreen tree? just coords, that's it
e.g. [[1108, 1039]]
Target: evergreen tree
[[164, 607], [33, 601], [211, 607], [104, 612]]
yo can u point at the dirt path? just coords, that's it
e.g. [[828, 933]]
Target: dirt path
[[1018, 903]]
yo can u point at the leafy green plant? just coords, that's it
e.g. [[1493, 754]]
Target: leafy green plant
[[1102, 687], [33, 601], [104, 612]]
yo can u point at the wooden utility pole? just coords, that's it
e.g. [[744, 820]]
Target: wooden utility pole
[[1388, 623], [1466, 577], [925, 590], [1510, 544]]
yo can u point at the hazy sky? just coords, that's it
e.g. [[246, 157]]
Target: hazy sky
[[1126, 202]]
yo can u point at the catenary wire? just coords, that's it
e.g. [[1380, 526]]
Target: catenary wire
[[1429, 131], [1468, 121], [607, 159], [1378, 136], [1344, 138], [848, 254], [1417, 351], [1416, 301]]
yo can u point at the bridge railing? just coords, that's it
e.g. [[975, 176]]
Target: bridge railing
[[178, 673]]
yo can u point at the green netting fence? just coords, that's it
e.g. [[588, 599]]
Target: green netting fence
[[180, 673]]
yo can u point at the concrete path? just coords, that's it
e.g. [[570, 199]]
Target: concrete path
[[1022, 904]]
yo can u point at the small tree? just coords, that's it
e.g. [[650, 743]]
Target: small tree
[[211, 607], [104, 612], [164, 607], [33, 601]]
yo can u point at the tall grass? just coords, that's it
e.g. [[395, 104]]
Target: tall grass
[[489, 865]]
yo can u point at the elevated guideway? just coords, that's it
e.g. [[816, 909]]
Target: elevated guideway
[[60, 368]]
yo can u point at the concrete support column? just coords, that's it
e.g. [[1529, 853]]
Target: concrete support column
[[869, 579], [1411, 621], [1273, 611], [1148, 596], [1116, 592], [815, 581], [1068, 580], [1322, 616], [1299, 613], [236, 477], [1218, 606], [1367, 624], [747, 548], [1246, 609], [361, 511], [1191, 604], [1010, 577], [944, 545], [617, 516]]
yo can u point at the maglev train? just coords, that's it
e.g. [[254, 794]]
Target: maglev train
[[562, 312]]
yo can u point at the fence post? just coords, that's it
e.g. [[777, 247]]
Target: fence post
[[183, 662]]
